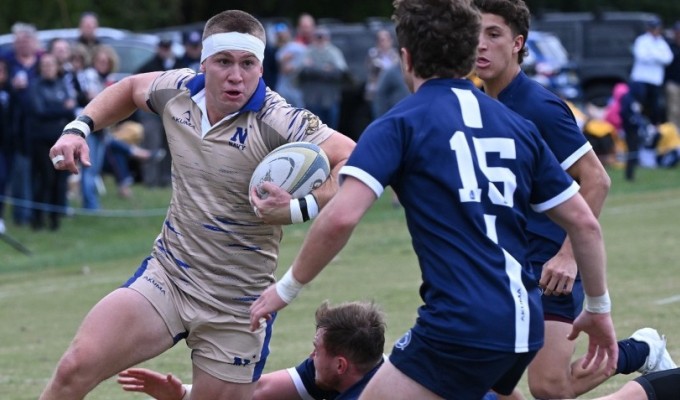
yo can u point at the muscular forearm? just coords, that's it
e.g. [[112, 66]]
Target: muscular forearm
[[118, 101], [589, 254], [332, 229], [323, 242]]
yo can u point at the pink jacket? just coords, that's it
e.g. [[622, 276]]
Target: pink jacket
[[612, 112]]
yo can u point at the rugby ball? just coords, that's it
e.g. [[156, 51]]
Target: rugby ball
[[297, 167]]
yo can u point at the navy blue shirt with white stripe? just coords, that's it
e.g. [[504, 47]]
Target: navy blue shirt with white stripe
[[467, 172], [556, 124], [303, 377]]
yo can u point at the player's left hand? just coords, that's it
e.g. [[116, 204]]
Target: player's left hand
[[274, 208], [268, 303], [558, 275], [156, 385], [602, 343]]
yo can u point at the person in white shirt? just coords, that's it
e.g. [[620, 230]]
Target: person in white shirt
[[651, 55]]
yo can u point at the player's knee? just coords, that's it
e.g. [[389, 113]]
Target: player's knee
[[73, 373], [551, 387]]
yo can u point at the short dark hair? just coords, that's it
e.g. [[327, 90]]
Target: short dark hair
[[515, 13], [354, 330], [440, 35], [235, 21], [89, 14], [50, 44]]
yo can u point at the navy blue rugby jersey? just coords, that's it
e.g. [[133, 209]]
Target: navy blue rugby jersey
[[303, 377], [467, 172], [557, 126]]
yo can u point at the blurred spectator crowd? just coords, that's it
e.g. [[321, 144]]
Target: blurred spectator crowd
[[43, 86]]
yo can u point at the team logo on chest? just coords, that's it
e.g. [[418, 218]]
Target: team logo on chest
[[185, 119], [238, 139]]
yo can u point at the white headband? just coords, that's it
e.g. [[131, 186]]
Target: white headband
[[232, 41]]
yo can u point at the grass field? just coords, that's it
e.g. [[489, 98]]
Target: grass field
[[44, 297]]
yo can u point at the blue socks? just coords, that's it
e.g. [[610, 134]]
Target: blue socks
[[632, 356]]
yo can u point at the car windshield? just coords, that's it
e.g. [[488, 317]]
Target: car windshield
[[551, 48]]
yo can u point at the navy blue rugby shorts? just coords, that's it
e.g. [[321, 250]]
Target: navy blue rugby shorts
[[561, 308], [458, 372]]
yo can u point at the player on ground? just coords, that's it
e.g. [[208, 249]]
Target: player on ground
[[467, 171], [505, 25], [348, 349], [660, 385], [214, 255]]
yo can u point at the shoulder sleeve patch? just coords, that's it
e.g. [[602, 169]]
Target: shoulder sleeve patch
[[312, 123]]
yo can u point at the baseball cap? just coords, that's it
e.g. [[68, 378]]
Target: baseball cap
[[655, 22], [193, 37], [165, 43]]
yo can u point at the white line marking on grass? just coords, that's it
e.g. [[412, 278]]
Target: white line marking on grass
[[668, 300]]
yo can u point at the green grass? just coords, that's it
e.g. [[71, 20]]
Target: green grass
[[44, 297]]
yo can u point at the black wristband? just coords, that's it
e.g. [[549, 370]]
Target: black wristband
[[87, 120], [303, 209], [73, 132]]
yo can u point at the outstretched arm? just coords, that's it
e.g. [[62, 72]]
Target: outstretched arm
[[113, 104], [326, 237], [277, 385]]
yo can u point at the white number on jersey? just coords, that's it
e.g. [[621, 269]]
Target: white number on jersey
[[471, 192]]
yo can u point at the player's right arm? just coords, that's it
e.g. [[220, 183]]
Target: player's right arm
[[576, 217], [113, 104], [277, 385], [119, 100], [326, 237]]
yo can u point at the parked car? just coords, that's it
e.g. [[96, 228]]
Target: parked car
[[548, 63], [599, 43]]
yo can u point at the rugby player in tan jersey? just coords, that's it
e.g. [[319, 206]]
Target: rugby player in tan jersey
[[214, 255]]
